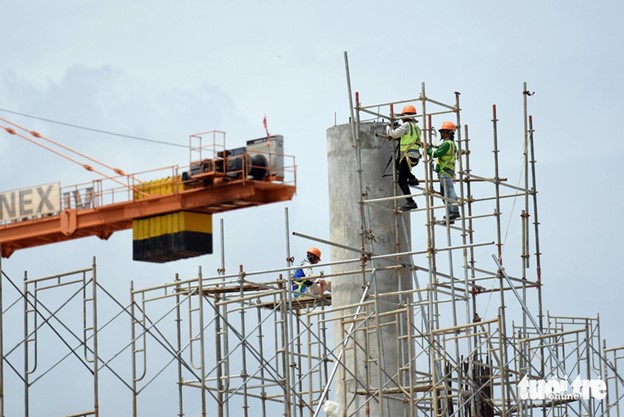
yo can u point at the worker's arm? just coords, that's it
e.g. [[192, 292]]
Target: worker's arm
[[308, 271], [320, 286], [398, 132], [441, 151]]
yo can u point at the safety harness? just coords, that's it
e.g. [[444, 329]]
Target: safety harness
[[410, 142], [300, 285]]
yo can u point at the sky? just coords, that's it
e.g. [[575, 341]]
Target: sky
[[164, 70]]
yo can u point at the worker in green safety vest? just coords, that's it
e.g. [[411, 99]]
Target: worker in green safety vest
[[409, 152], [445, 156]]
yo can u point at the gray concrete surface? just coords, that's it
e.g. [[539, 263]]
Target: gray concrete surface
[[381, 228]]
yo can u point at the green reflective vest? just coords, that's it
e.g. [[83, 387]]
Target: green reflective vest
[[446, 162]]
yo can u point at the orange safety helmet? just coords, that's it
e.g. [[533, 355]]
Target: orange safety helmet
[[408, 109], [447, 126], [315, 251]]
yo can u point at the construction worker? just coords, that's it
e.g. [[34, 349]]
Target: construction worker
[[300, 281], [445, 156], [409, 151]]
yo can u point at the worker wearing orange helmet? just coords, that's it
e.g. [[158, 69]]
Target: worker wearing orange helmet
[[409, 152], [445, 156], [300, 280]]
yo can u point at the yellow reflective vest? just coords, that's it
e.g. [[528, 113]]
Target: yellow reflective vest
[[410, 140], [446, 157]]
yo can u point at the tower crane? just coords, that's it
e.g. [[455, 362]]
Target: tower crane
[[169, 209]]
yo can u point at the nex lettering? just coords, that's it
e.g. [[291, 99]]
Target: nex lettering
[[28, 202]]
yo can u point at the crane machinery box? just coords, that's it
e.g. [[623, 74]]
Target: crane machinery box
[[261, 159], [268, 153]]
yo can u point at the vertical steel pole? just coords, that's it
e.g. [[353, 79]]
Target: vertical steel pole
[[464, 235], [219, 357], [133, 347], [503, 355], [499, 244], [26, 353], [202, 341], [286, 324], [470, 262], [525, 213], [538, 253], [588, 341], [525, 150], [219, 331], [1, 340], [355, 130], [221, 270], [179, 347], [605, 377], [432, 287], [263, 398], [244, 375], [224, 363], [96, 381], [287, 328]]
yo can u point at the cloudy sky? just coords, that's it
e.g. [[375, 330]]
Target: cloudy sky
[[163, 70]]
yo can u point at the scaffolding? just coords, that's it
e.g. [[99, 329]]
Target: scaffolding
[[472, 329]]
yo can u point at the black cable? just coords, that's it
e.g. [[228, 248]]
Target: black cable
[[106, 132]]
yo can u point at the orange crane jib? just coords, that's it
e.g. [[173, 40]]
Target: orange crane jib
[[170, 217]]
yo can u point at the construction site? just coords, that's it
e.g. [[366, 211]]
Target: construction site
[[427, 316]]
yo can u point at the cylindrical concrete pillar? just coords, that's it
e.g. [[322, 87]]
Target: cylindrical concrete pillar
[[372, 358]]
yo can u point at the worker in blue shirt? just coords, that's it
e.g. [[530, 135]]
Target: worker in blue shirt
[[300, 280]]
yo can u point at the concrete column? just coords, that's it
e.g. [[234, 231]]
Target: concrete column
[[363, 356]]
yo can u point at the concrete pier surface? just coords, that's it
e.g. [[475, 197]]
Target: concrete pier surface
[[374, 356]]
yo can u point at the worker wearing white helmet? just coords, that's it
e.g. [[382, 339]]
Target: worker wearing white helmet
[[300, 280]]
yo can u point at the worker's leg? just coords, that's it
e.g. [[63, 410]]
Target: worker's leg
[[448, 190], [412, 181], [404, 173], [298, 287]]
